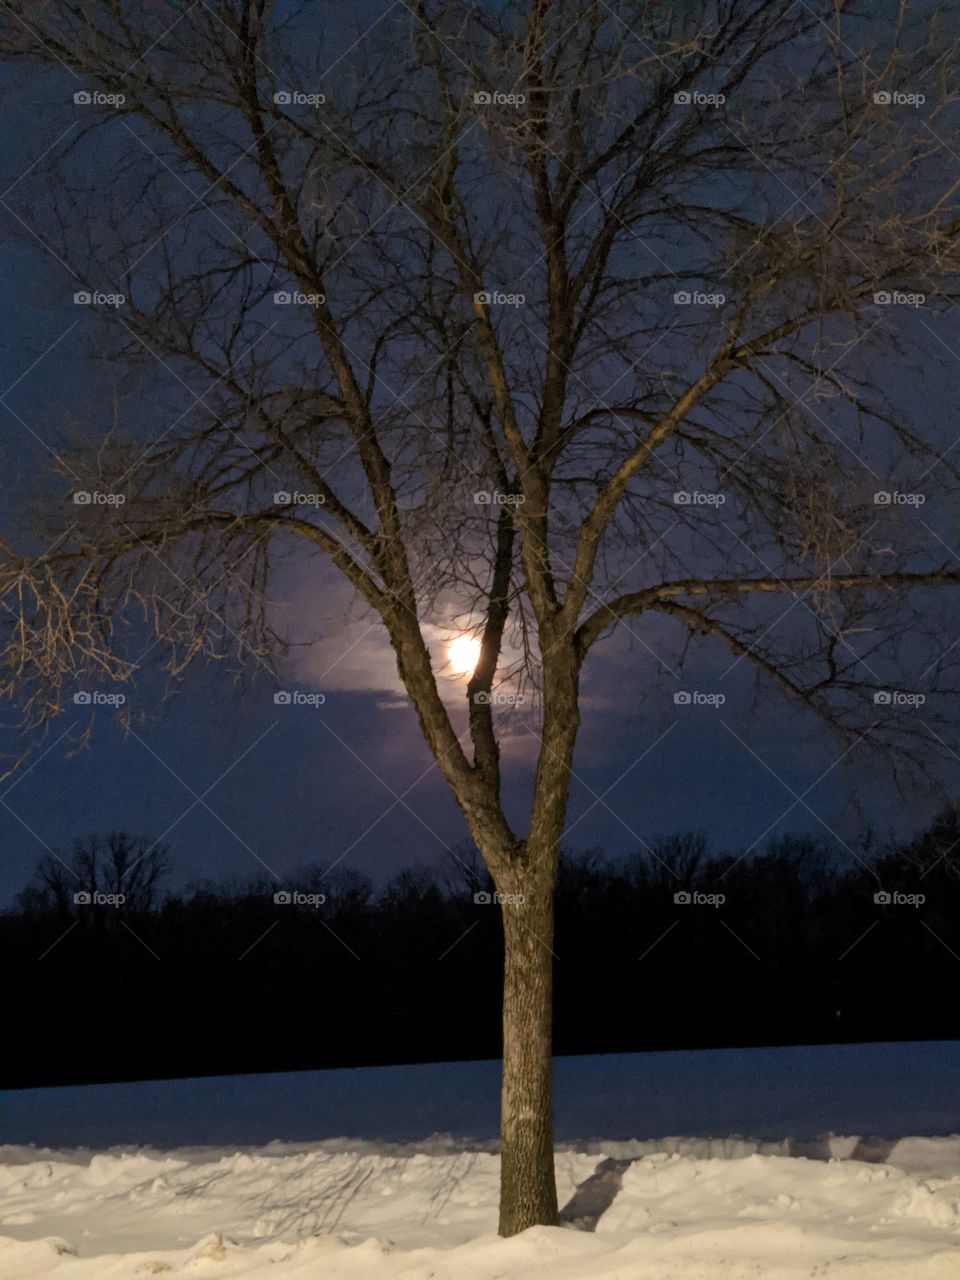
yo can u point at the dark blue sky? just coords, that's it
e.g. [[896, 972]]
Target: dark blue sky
[[351, 783]]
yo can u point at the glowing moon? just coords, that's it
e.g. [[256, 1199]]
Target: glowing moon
[[464, 654]]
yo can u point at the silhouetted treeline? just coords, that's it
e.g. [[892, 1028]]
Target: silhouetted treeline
[[109, 977]]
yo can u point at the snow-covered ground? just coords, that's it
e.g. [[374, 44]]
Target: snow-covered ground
[[340, 1210], [366, 1207]]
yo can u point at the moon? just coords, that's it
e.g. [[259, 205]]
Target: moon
[[464, 653]]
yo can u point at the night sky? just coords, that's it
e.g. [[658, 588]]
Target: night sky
[[237, 785]]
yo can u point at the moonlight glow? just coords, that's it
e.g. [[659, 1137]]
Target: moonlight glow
[[464, 654]]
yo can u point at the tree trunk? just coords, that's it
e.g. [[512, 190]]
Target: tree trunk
[[528, 1191]]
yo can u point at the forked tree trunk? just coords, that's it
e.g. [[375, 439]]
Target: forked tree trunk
[[528, 1190]]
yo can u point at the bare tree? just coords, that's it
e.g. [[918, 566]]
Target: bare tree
[[121, 870], [540, 318]]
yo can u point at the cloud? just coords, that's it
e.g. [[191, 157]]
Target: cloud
[[355, 658], [338, 644]]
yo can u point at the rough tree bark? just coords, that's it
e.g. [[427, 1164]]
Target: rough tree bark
[[528, 1190]]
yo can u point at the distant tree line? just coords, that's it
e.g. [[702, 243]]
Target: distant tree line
[[111, 976]]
